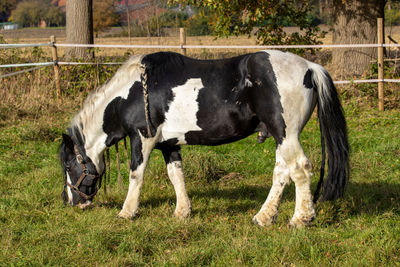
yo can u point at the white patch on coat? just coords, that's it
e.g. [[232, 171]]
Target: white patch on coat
[[69, 191], [92, 113], [296, 100], [181, 116]]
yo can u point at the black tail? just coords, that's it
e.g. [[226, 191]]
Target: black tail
[[334, 135]]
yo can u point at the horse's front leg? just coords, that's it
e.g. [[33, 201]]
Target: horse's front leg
[[140, 150], [172, 157]]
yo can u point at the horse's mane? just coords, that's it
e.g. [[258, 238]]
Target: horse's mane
[[105, 93]]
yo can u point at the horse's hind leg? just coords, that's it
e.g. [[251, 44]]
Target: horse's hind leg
[[140, 150], [293, 163], [173, 160], [269, 210], [300, 171]]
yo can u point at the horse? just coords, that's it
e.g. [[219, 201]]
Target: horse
[[165, 100]]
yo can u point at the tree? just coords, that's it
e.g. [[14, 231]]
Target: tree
[[79, 27], [104, 15], [28, 13], [354, 22], [266, 17], [31, 13], [5, 9], [54, 16]]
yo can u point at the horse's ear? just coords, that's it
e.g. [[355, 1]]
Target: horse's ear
[[68, 141]]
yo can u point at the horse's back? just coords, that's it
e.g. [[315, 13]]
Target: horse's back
[[211, 102]]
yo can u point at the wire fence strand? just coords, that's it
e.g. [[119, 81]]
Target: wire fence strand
[[201, 46], [23, 45], [43, 64], [20, 72]]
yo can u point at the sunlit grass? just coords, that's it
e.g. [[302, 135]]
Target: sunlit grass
[[227, 186]]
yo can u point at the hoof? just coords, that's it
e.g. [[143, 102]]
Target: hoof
[[299, 223], [126, 215], [182, 213], [256, 222], [264, 221]]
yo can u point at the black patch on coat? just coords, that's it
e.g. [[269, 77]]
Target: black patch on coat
[[171, 153], [308, 82], [112, 123], [167, 143], [264, 95], [239, 89]]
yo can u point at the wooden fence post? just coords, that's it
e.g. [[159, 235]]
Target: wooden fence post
[[56, 67], [182, 40], [380, 64]]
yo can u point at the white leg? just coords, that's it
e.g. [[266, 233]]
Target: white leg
[[131, 204], [291, 163], [175, 174], [304, 211], [269, 210], [300, 170]]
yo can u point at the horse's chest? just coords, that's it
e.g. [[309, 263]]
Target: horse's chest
[[181, 116]]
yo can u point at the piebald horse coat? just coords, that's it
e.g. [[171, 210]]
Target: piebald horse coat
[[209, 102]]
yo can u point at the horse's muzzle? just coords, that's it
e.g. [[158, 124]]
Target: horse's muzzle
[[85, 205]]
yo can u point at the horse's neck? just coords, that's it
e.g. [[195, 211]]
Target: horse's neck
[[91, 129], [95, 151], [90, 118], [93, 143]]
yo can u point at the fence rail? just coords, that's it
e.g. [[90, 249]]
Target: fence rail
[[183, 46], [44, 64], [202, 46]]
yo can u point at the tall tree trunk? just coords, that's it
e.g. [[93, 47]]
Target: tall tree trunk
[[79, 27], [355, 22]]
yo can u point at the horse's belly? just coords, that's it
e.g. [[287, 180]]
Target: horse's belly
[[175, 135]]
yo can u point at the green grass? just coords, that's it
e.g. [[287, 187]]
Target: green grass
[[227, 186]]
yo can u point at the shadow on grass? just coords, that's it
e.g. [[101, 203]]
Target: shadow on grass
[[110, 204], [374, 199]]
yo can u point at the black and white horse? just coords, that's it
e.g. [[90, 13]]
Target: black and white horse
[[165, 100]]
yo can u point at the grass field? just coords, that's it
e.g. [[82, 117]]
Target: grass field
[[226, 184]]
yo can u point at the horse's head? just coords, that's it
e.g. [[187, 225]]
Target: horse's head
[[80, 174]]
